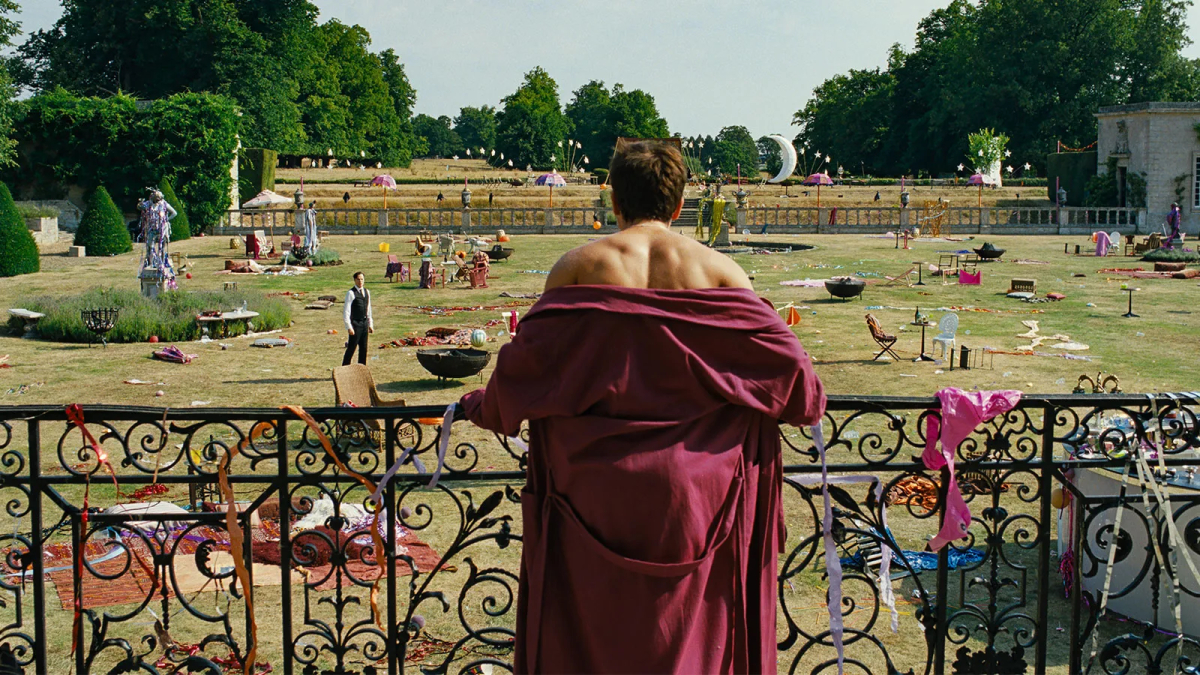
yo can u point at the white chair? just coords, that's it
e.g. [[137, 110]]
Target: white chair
[[948, 325], [1114, 243]]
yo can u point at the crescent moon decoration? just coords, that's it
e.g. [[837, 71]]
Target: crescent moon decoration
[[789, 158]]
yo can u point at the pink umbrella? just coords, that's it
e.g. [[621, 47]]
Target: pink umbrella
[[818, 179], [981, 180], [550, 179], [385, 181]]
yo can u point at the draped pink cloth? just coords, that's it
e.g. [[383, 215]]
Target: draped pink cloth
[[652, 512], [1103, 241], [962, 411]]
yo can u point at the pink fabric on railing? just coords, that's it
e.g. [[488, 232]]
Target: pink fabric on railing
[[961, 412]]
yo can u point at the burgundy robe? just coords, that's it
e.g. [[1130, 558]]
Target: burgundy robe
[[652, 509]]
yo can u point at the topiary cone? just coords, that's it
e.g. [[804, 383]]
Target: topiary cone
[[102, 229], [18, 250], [180, 228]]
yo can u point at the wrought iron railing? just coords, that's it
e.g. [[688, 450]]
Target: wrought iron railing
[[158, 591]]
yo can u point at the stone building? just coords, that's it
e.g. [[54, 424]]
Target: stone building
[[1160, 143]]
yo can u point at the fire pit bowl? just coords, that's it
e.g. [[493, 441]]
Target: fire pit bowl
[[845, 287], [499, 253], [100, 320], [453, 364], [988, 253]]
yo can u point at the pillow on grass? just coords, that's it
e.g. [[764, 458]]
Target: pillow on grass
[[1021, 295]]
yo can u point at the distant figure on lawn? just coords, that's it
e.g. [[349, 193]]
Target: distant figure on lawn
[[358, 319], [654, 380]]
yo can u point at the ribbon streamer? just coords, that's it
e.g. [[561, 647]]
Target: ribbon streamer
[[833, 564], [886, 593]]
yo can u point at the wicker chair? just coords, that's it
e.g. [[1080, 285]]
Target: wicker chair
[[354, 384]]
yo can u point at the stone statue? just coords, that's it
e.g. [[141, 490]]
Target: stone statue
[[157, 273]]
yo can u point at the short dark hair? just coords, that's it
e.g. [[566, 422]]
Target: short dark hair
[[647, 180], [357, 275]]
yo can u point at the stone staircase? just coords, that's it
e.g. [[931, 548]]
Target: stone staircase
[[689, 216]]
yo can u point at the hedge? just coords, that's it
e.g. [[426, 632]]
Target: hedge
[[102, 229], [171, 317], [18, 250], [256, 171], [180, 229], [1073, 171], [127, 146]]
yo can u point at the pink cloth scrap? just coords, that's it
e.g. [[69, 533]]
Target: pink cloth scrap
[[962, 411]]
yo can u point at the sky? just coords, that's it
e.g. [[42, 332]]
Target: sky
[[708, 63]]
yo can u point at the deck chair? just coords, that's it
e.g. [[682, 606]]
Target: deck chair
[[353, 384], [863, 547], [445, 245], [882, 339], [901, 279]]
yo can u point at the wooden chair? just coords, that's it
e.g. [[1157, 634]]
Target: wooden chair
[[354, 384], [901, 279], [882, 339], [1130, 246], [395, 268]]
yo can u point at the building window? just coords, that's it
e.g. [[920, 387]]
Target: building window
[[1196, 184]]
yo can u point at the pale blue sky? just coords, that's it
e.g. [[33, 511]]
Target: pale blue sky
[[708, 63]]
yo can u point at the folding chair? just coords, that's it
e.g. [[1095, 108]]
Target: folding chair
[[905, 279], [882, 339]]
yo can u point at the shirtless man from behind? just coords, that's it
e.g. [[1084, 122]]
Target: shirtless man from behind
[[647, 188]]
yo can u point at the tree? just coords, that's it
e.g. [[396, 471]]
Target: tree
[[532, 122], [302, 87], [735, 148], [849, 116], [440, 140], [476, 127], [102, 229], [8, 30], [180, 228], [600, 117], [1155, 68], [18, 250], [591, 114]]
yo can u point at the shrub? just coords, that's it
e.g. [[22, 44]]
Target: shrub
[[325, 256], [172, 316], [1171, 255], [180, 227], [31, 211], [601, 175], [102, 229], [18, 250]]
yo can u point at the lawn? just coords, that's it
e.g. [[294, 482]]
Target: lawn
[[1147, 353]]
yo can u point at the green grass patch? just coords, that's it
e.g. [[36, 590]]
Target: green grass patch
[[171, 317]]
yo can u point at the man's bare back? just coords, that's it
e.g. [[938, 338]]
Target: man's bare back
[[647, 255]]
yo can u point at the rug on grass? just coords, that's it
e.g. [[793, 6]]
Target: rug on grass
[[134, 571]]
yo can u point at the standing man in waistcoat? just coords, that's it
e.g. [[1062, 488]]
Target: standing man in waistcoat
[[358, 320]]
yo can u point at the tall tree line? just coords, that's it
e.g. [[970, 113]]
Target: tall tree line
[[532, 126], [1036, 71], [302, 86]]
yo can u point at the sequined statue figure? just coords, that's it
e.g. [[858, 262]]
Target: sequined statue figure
[[156, 232], [311, 241]]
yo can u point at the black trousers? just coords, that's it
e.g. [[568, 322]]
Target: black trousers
[[356, 341]]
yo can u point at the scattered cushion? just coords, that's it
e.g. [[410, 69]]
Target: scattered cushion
[[319, 304], [1186, 274], [1169, 266], [1055, 296], [1021, 295], [271, 342]]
